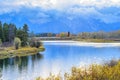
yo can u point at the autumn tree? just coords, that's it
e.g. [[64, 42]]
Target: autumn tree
[[17, 43]]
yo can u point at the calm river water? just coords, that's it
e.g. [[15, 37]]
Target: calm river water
[[57, 58]]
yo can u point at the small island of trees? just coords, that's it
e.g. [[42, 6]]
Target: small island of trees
[[15, 41]]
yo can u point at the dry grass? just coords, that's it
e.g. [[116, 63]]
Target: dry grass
[[95, 40], [94, 72], [23, 51]]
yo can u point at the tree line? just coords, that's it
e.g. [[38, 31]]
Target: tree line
[[62, 34], [82, 35], [100, 35], [8, 32], [10, 35]]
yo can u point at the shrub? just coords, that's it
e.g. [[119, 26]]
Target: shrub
[[17, 43], [112, 63], [32, 42], [38, 44], [35, 43]]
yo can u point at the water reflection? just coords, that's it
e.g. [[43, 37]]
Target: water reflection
[[57, 58], [1, 71], [20, 64]]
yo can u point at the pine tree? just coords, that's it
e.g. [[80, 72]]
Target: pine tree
[[11, 32], [6, 32], [1, 32], [25, 35]]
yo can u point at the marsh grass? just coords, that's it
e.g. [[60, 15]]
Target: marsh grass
[[23, 51], [107, 71]]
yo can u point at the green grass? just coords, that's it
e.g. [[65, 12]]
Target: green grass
[[24, 51], [94, 72]]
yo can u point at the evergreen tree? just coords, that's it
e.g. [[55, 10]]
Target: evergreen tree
[[6, 32], [9, 32], [0, 30], [0, 42], [25, 35], [19, 34], [12, 32], [25, 28]]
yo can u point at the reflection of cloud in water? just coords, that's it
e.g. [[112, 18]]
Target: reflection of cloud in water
[[53, 67]]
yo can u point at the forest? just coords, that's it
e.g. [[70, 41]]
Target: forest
[[8, 32]]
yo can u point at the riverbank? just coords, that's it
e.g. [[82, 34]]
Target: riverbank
[[96, 40], [108, 71], [82, 43], [23, 51]]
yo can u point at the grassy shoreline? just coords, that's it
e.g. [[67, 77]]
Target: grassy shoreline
[[23, 51], [96, 40], [86, 40]]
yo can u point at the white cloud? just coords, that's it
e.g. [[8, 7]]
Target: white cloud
[[92, 13], [87, 8], [100, 3], [59, 4]]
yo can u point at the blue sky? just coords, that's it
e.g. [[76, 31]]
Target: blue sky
[[62, 15]]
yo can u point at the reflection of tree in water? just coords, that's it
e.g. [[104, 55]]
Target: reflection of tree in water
[[0, 73], [1, 67], [22, 63], [36, 58]]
